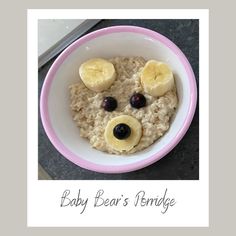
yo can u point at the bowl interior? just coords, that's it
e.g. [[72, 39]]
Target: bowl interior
[[107, 46]]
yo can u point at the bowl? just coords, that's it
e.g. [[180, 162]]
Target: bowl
[[106, 43]]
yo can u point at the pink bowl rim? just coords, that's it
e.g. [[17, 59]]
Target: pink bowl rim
[[127, 167]]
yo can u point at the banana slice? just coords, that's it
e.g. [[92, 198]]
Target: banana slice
[[123, 144], [156, 78], [97, 74]]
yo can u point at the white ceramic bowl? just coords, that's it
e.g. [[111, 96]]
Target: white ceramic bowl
[[107, 43]]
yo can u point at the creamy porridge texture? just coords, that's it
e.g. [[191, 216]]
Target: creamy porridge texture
[[92, 119]]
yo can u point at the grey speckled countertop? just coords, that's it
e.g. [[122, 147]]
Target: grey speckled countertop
[[182, 163]]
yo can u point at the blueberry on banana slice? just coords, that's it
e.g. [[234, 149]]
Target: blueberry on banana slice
[[123, 132]]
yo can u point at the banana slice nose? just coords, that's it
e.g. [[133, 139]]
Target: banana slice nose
[[123, 144]]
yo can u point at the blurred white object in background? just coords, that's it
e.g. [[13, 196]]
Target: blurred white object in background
[[56, 35], [51, 31]]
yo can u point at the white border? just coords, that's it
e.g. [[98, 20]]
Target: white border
[[43, 203]]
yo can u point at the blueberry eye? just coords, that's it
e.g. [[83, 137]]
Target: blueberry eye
[[138, 100], [109, 104]]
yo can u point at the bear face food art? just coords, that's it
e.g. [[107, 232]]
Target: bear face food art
[[124, 104]]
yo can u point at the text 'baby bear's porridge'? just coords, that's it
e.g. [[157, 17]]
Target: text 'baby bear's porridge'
[[124, 104]]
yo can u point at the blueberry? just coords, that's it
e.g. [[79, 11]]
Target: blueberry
[[121, 131], [109, 104], [137, 100]]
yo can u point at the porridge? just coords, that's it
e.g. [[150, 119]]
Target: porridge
[[124, 104]]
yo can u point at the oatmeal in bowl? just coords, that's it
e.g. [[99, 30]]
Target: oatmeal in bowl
[[125, 120], [124, 104]]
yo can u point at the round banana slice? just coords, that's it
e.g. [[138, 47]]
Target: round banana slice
[[123, 144], [156, 78], [97, 74]]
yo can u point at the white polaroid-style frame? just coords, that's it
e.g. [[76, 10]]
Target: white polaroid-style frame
[[44, 197]]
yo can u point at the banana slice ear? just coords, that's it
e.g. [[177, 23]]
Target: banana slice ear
[[157, 78], [97, 74]]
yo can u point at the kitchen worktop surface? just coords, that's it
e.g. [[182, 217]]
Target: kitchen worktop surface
[[182, 163]]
